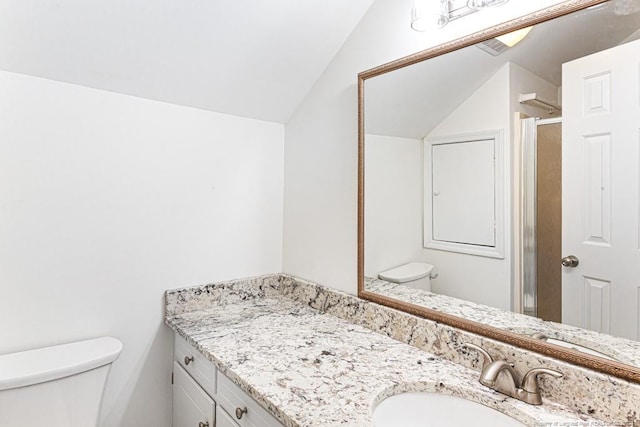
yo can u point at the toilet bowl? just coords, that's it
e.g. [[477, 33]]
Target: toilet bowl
[[414, 274], [59, 386]]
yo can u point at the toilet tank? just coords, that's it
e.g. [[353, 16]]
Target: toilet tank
[[59, 386], [414, 274]]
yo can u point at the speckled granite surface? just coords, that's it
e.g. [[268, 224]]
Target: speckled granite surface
[[178, 301], [311, 357], [623, 350], [615, 401]]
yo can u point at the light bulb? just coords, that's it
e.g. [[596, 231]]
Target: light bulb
[[514, 37], [428, 14]]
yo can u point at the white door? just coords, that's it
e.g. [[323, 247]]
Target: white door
[[600, 138]]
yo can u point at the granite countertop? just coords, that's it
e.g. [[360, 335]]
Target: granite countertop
[[620, 349], [310, 368]]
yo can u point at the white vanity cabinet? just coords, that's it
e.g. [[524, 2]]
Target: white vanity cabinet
[[246, 411], [198, 366], [202, 397], [224, 419], [191, 405]]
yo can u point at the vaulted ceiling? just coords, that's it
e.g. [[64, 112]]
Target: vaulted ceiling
[[251, 58], [410, 102]]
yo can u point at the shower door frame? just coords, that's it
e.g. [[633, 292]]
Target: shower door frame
[[528, 295]]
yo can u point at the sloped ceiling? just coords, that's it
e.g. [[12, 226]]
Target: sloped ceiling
[[411, 101], [250, 58]]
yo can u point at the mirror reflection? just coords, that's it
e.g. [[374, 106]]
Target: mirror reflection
[[501, 182]]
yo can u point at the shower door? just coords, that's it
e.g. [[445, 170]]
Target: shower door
[[541, 209]]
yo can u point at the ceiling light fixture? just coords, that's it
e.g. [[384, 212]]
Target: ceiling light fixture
[[432, 14], [483, 4], [428, 14]]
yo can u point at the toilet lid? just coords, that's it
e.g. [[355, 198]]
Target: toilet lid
[[407, 272], [51, 363]]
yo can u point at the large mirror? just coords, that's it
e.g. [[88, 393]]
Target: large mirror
[[499, 184]]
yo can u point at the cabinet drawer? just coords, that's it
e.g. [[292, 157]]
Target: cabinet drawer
[[201, 369], [223, 419], [232, 398], [191, 405]]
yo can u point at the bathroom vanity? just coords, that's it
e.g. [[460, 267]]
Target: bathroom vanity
[[204, 397], [285, 351], [279, 350]]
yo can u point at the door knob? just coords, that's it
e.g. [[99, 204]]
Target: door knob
[[570, 261]]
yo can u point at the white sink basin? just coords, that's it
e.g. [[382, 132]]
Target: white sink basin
[[437, 410]]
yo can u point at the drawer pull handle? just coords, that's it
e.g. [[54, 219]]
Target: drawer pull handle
[[240, 412], [188, 359], [205, 424]]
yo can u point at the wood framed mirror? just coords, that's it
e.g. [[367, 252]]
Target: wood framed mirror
[[499, 184]]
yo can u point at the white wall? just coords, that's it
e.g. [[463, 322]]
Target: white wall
[[106, 201], [320, 211], [393, 192], [393, 202], [476, 278], [521, 81], [491, 107]]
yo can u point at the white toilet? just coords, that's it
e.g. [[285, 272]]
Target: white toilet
[[414, 274], [58, 386]]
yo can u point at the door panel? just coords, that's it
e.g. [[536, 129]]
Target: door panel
[[463, 176], [601, 138], [191, 405]]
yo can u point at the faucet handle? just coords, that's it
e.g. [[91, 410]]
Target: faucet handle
[[530, 379], [486, 356]]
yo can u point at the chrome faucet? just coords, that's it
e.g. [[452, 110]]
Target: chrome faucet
[[501, 377]]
